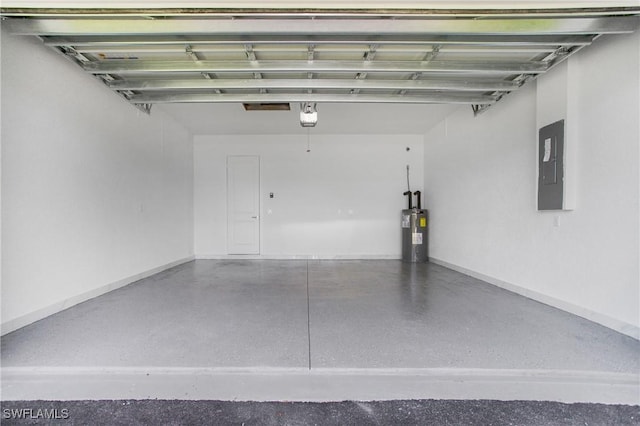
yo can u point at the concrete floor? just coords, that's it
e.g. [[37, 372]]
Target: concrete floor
[[374, 413], [319, 316]]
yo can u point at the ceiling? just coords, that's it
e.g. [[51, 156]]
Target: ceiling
[[342, 119], [206, 62]]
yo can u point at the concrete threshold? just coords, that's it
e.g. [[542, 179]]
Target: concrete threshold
[[317, 385]]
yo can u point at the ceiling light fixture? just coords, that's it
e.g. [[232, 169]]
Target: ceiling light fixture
[[308, 114]]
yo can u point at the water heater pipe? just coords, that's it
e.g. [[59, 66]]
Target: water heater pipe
[[418, 199], [408, 194]]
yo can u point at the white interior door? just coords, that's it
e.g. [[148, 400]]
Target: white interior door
[[243, 204]]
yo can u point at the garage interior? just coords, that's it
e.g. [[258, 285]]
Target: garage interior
[[135, 139]]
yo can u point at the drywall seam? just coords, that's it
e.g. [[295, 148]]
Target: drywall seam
[[24, 320], [605, 320], [297, 257]]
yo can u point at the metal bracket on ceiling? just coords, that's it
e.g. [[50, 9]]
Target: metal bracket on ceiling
[[128, 94], [73, 53], [106, 79], [367, 57], [428, 57], [146, 108], [311, 52], [251, 56], [479, 109], [310, 57], [557, 55], [195, 58], [188, 50], [520, 80]]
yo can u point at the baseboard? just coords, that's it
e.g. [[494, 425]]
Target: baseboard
[[297, 257], [602, 319], [16, 323]]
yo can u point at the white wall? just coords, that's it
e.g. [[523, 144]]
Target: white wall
[[480, 183], [95, 192], [342, 199]]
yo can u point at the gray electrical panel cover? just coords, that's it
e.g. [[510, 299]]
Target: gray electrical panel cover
[[551, 166]]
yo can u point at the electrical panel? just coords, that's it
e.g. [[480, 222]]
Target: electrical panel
[[551, 166]]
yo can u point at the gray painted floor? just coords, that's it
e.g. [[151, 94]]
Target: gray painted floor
[[318, 314]]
